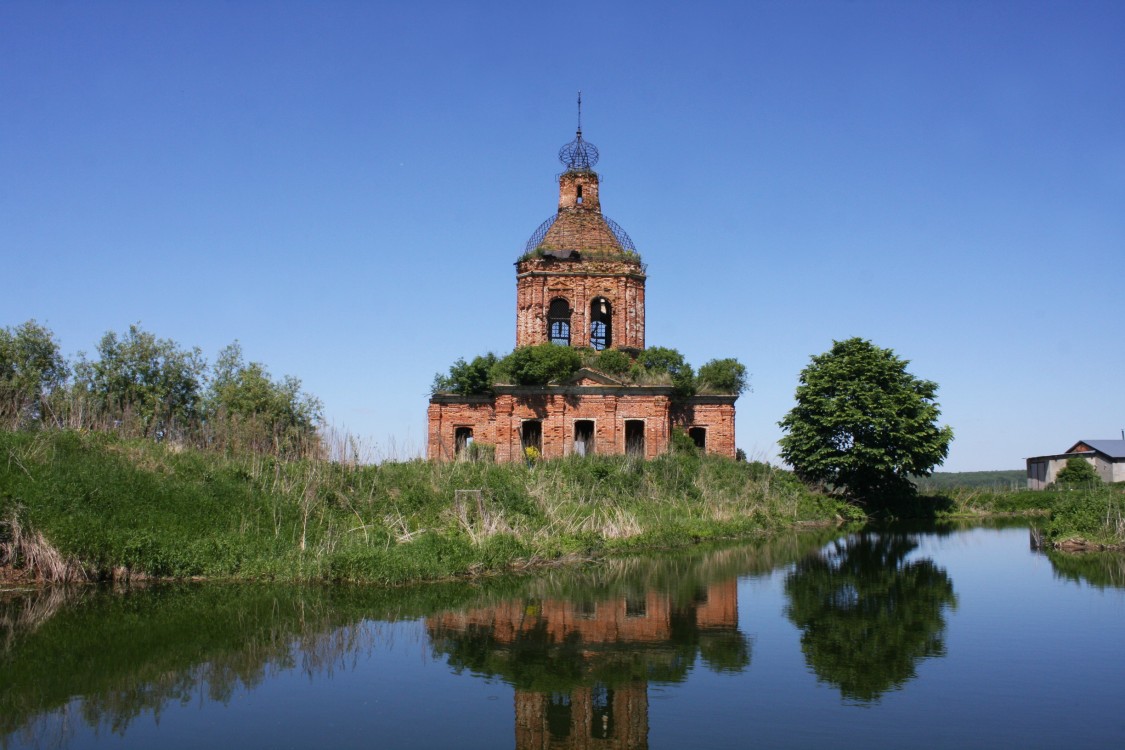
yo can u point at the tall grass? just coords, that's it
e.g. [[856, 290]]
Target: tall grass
[[1088, 518], [119, 508]]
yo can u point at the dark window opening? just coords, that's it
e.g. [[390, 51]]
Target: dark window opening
[[462, 439], [531, 435], [635, 438], [601, 320], [587, 609], [583, 437], [601, 710], [635, 606], [558, 715], [579, 194], [558, 322], [698, 436]]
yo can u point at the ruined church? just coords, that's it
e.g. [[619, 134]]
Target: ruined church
[[579, 283]]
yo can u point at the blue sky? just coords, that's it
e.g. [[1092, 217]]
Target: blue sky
[[343, 187]]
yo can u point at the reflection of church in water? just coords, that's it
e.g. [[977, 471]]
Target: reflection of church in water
[[581, 668]]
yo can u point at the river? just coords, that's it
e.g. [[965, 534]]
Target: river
[[957, 637]]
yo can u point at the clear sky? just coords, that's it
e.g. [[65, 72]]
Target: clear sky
[[344, 186]]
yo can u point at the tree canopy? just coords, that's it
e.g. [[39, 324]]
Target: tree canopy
[[31, 369], [138, 376], [863, 424], [267, 413]]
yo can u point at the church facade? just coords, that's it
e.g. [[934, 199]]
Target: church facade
[[580, 283]]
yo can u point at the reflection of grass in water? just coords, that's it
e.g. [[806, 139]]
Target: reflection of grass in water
[[132, 651], [1100, 569]]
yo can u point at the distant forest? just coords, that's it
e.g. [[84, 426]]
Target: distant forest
[[995, 480]]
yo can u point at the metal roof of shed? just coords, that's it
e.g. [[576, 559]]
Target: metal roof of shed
[[1111, 448]]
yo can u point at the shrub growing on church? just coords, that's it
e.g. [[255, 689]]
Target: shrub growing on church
[[537, 365], [722, 376], [863, 424], [467, 378]]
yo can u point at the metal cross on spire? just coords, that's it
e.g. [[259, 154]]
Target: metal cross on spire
[[579, 155]]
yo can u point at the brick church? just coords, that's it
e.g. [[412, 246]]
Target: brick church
[[580, 283]]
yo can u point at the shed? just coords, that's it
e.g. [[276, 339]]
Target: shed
[[1106, 456]]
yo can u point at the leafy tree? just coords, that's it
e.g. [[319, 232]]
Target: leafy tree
[[722, 376], [467, 378], [866, 615], [271, 414], [863, 424], [538, 365], [31, 369], [1078, 471], [140, 376], [660, 359]]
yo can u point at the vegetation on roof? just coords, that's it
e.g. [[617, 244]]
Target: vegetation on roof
[[550, 363]]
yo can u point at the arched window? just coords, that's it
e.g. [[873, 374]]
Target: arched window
[[601, 319], [558, 322]]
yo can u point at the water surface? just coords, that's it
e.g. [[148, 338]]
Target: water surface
[[954, 638]]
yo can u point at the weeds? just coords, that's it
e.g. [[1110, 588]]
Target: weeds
[[129, 507]]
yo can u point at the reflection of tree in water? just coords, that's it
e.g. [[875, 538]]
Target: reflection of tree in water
[[866, 615]]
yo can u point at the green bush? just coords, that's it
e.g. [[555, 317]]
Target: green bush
[[722, 376], [613, 362], [538, 365], [1078, 472], [467, 378]]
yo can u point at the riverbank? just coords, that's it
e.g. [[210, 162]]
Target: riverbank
[[90, 506]]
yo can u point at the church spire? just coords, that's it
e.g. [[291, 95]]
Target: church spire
[[579, 155]]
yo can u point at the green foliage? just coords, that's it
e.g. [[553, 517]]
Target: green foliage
[[138, 376], [662, 360], [681, 442], [613, 362], [1078, 472], [467, 378], [538, 365], [863, 424], [267, 413], [31, 370], [1095, 515], [722, 376]]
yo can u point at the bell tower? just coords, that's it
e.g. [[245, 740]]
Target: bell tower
[[580, 281]]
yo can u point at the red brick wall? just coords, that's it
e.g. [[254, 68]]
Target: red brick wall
[[621, 282], [498, 421], [716, 415]]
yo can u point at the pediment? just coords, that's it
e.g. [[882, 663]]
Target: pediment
[[591, 377]]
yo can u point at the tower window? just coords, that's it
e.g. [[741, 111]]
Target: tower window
[[558, 322], [579, 195], [601, 320]]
